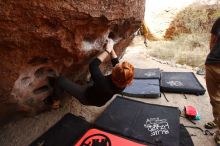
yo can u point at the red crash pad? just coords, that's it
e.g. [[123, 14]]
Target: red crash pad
[[98, 137]]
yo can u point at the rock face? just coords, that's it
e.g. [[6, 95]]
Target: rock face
[[167, 19], [41, 38]]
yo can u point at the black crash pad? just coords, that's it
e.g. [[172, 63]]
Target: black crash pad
[[143, 88], [65, 132], [151, 73], [185, 138], [150, 123], [181, 82]]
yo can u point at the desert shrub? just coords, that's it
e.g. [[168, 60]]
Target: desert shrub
[[190, 49]]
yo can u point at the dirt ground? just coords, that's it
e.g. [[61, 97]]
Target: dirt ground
[[23, 132]]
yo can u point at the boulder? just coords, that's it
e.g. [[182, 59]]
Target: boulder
[[41, 38], [171, 18]]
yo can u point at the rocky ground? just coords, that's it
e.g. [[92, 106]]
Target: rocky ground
[[23, 132]]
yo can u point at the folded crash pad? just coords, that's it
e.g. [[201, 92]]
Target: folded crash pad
[[150, 123], [143, 88], [181, 82], [152, 73], [64, 133]]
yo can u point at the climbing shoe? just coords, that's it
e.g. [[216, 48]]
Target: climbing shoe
[[217, 138], [210, 125]]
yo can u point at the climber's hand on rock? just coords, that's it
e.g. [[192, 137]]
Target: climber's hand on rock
[[109, 46]]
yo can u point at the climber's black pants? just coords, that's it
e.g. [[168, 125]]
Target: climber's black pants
[[62, 84]]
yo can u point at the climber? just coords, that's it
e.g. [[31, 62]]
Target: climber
[[103, 87]]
